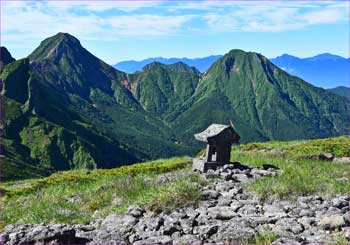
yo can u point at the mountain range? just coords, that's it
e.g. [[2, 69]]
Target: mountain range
[[342, 91], [63, 108], [202, 64], [324, 70]]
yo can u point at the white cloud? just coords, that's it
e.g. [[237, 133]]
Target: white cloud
[[267, 16], [33, 20], [98, 6], [38, 20], [143, 25]]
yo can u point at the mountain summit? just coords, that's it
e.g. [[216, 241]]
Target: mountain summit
[[56, 46], [6, 57]]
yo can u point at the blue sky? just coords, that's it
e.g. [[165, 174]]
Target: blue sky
[[125, 30]]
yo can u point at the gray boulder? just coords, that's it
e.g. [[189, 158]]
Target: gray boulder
[[232, 233], [333, 222], [155, 240], [135, 211], [222, 213]]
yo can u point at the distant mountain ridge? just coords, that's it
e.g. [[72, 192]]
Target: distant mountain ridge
[[63, 108], [202, 64], [342, 91], [323, 70]]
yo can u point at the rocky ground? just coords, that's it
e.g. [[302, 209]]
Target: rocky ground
[[227, 213]]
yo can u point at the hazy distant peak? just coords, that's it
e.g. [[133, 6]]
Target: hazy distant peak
[[326, 56]]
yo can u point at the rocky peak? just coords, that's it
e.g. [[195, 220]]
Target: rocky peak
[[57, 46], [6, 57]]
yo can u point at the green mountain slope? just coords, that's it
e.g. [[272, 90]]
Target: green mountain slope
[[263, 101], [66, 109], [341, 90], [163, 88], [39, 130]]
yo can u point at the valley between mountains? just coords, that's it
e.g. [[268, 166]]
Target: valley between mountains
[[63, 108]]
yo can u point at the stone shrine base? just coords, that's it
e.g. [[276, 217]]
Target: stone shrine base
[[201, 165]]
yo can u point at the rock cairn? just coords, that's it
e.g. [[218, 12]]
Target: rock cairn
[[227, 214]]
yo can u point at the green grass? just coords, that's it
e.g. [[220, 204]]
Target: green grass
[[300, 176], [339, 146], [47, 199], [261, 238], [83, 176], [341, 240]]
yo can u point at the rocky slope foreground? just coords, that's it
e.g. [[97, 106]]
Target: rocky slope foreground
[[227, 213]]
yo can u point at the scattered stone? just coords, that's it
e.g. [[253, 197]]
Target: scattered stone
[[187, 239], [205, 231], [74, 199], [333, 222], [227, 213], [233, 233], [117, 201], [222, 213], [155, 240], [341, 159], [289, 225], [169, 177], [270, 167], [274, 210], [48, 234], [326, 156], [224, 201], [240, 177], [340, 203], [210, 174], [135, 211], [209, 194], [306, 213]]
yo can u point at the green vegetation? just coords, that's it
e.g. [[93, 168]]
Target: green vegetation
[[163, 88], [61, 115], [47, 199], [65, 109], [263, 101], [301, 176], [338, 146], [262, 238], [340, 240], [78, 196]]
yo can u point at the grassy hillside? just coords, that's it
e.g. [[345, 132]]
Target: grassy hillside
[[161, 89], [78, 196], [263, 101], [302, 173]]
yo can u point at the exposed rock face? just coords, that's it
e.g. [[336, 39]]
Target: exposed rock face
[[227, 214]]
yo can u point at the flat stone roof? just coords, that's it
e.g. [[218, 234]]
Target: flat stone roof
[[211, 131]]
